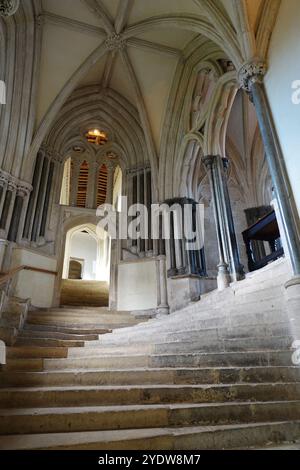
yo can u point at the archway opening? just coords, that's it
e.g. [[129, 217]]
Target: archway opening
[[86, 269]]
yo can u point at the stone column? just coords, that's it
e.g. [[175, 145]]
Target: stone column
[[216, 168], [40, 200], [47, 200], [33, 196], [163, 306], [251, 77], [147, 204], [3, 189], [57, 179], [236, 268], [26, 191], [223, 268], [17, 214], [74, 181], [172, 249], [7, 209], [110, 183]]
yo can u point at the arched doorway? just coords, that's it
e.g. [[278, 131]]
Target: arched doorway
[[86, 267], [75, 269]]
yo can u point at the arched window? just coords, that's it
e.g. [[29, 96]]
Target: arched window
[[82, 184], [102, 185]]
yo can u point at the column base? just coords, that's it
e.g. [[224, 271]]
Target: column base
[[223, 278], [293, 306], [162, 311], [182, 291]]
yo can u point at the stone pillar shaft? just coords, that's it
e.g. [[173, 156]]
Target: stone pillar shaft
[[228, 248], [47, 200], [110, 184], [223, 272], [40, 200], [163, 306], [33, 196], [278, 173], [16, 216], [6, 208], [74, 182], [251, 78]]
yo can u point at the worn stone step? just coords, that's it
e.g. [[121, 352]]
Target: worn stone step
[[57, 335], [78, 325], [48, 342], [35, 352], [275, 329], [166, 329], [252, 358], [227, 345], [97, 349], [80, 316], [144, 376], [145, 394], [55, 420], [67, 330], [21, 364], [181, 438], [253, 343], [203, 344]]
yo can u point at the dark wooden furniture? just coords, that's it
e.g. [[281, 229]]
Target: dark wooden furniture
[[265, 230]]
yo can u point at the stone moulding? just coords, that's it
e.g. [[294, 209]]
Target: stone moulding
[[7, 180]]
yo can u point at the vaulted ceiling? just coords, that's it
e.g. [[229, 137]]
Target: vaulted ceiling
[[143, 43]]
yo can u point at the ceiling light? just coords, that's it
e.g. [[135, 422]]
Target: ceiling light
[[97, 137]]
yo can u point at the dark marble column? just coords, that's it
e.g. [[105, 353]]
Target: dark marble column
[[33, 196], [1, 193], [47, 200], [251, 78], [40, 200], [148, 183], [236, 268], [184, 260], [223, 268], [224, 219], [172, 271], [16, 216], [6, 208]]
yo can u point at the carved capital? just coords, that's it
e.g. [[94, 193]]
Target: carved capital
[[23, 190], [209, 161], [3, 180], [12, 186], [8, 7], [250, 73], [115, 42]]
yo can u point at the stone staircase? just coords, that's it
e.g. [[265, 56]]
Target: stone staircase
[[88, 293], [217, 375]]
